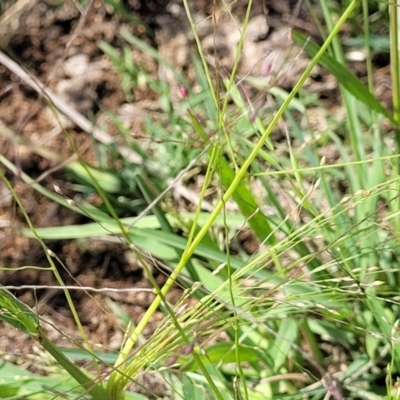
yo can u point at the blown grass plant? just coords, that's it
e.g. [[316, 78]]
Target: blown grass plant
[[313, 313]]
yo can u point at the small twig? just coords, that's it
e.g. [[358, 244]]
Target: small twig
[[85, 288], [9, 20], [67, 109], [74, 35], [56, 168]]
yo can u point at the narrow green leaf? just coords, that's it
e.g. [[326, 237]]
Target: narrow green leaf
[[225, 353], [152, 52], [92, 386], [108, 226], [348, 80], [247, 204], [286, 336], [18, 314], [108, 182]]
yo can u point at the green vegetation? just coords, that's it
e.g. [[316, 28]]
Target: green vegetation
[[313, 312]]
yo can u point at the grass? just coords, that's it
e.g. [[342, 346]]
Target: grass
[[313, 312]]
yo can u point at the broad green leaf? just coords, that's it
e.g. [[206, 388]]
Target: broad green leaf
[[9, 389], [329, 329], [371, 345], [191, 390], [109, 226], [147, 239], [356, 366], [33, 386], [110, 183]]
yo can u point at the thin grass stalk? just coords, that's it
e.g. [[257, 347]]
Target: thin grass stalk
[[367, 47], [294, 239], [116, 392], [207, 180], [241, 174], [39, 188], [356, 137], [394, 10], [377, 171], [145, 188]]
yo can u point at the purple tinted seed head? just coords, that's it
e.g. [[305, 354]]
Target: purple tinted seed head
[[184, 90], [188, 349], [171, 361], [266, 69]]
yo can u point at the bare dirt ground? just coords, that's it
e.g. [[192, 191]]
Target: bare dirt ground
[[58, 45]]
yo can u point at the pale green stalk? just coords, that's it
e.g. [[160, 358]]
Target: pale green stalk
[[394, 13], [241, 174], [394, 10]]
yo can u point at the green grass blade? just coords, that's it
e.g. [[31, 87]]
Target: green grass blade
[[348, 80], [96, 390], [18, 314]]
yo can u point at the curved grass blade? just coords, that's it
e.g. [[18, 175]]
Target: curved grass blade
[[18, 314]]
